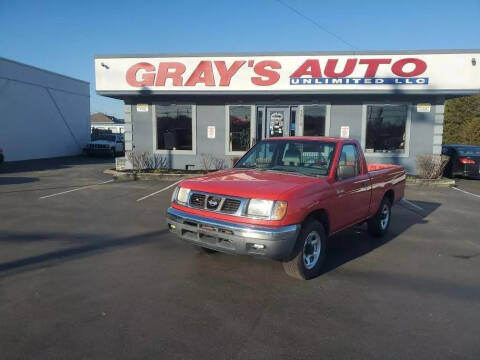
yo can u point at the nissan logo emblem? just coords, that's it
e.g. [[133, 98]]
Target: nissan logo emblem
[[213, 203]]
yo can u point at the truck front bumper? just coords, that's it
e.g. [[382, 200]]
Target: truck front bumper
[[276, 242]]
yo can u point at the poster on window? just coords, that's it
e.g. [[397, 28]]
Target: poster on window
[[211, 132]]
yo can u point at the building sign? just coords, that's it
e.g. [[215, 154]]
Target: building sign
[[345, 132], [211, 132], [332, 73], [142, 107], [424, 107]]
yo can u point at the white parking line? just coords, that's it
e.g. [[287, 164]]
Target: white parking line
[[159, 191], [466, 192], [80, 188], [413, 205]]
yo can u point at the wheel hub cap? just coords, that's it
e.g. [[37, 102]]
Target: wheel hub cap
[[385, 216], [311, 250]]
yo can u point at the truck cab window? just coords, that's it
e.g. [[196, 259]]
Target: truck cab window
[[349, 164]]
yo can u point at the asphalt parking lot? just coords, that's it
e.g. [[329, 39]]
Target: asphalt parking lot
[[89, 272]]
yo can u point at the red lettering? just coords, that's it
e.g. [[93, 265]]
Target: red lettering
[[309, 67], [373, 64], [270, 75], [347, 70], [227, 74], [203, 73], [147, 77], [420, 67], [164, 73]]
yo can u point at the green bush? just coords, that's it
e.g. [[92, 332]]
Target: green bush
[[462, 121]]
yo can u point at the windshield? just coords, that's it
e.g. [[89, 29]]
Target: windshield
[[312, 158], [469, 151]]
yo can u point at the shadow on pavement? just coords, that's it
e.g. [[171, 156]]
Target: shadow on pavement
[[52, 164], [61, 256], [15, 180], [356, 242]]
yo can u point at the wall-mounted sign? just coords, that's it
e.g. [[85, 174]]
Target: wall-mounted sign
[[424, 107], [142, 107], [211, 132], [333, 73], [345, 132]]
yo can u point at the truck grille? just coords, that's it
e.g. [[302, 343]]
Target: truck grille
[[197, 200], [214, 202], [230, 205]]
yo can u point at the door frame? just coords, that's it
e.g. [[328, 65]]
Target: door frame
[[286, 120], [299, 116]]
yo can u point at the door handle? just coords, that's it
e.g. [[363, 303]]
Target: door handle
[[340, 191]]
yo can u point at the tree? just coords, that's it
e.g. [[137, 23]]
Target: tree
[[462, 120], [471, 131]]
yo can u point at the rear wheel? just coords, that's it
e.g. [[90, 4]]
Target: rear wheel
[[378, 225], [309, 252]]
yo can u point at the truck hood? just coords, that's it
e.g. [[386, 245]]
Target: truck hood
[[269, 185]]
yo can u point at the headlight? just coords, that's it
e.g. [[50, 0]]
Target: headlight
[[174, 194], [182, 195], [267, 209]]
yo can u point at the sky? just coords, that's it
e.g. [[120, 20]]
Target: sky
[[63, 36]]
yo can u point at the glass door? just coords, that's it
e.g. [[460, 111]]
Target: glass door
[[277, 122]]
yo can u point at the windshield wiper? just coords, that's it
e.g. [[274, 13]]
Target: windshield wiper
[[248, 167], [290, 170]]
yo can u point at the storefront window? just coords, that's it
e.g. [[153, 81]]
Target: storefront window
[[174, 127], [386, 128], [314, 120], [239, 121]]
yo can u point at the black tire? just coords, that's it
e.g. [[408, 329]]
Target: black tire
[[114, 153], [297, 266], [376, 225], [206, 250]]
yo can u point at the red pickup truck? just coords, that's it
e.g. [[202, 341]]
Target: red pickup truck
[[283, 198]]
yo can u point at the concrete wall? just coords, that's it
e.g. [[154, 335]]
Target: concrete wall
[[425, 128], [42, 114]]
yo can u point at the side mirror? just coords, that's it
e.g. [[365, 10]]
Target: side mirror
[[345, 172]]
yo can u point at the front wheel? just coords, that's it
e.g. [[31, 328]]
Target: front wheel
[[310, 251], [378, 225]]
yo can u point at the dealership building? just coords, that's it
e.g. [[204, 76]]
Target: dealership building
[[188, 107]]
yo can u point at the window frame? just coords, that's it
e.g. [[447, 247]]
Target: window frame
[[253, 122], [299, 127], [194, 131], [363, 142]]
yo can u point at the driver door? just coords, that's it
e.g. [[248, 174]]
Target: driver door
[[352, 188]]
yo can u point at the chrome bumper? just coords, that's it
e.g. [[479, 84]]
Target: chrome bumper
[[276, 242]]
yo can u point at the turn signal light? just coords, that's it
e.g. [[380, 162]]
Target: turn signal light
[[466, 161], [279, 210]]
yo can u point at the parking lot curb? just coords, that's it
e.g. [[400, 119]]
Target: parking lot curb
[[133, 176], [444, 182]]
